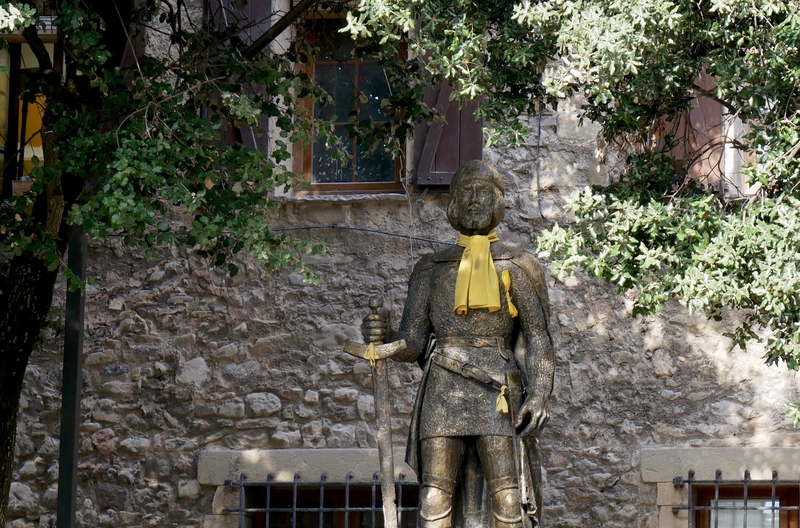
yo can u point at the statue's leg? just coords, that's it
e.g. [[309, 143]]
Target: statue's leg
[[472, 489], [441, 460], [497, 459]]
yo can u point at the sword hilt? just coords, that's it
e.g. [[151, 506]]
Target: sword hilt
[[376, 305]]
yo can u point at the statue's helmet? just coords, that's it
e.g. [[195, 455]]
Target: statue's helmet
[[470, 172]]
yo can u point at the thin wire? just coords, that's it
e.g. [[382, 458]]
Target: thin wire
[[363, 229], [538, 168]]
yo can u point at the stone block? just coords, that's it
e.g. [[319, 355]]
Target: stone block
[[262, 404], [193, 372], [110, 496], [241, 373], [669, 519], [264, 346], [19, 523], [333, 337], [215, 466], [224, 497], [117, 304], [662, 465], [669, 495], [158, 467], [228, 351], [366, 407], [189, 489], [101, 358], [225, 521], [345, 395], [341, 435], [287, 439], [570, 127], [121, 388], [22, 500], [231, 409], [136, 444]]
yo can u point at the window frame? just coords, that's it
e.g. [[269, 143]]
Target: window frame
[[302, 162], [706, 495]]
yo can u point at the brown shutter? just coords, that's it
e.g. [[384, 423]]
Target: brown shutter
[[441, 147]]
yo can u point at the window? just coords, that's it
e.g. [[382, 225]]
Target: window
[[357, 87], [742, 504], [254, 20], [323, 504], [21, 122]]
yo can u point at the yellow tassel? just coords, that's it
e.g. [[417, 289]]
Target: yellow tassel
[[506, 278], [502, 401], [370, 354]]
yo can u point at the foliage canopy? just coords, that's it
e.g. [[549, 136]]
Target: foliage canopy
[[657, 230]]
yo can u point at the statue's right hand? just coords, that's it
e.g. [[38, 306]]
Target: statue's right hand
[[376, 326]]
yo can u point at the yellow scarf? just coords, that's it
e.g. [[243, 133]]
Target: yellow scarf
[[476, 284]]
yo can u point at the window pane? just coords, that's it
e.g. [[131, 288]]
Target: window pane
[[337, 80], [755, 518], [372, 83], [325, 168], [334, 46], [377, 166]]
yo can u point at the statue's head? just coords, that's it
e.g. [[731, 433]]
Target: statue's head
[[476, 198]]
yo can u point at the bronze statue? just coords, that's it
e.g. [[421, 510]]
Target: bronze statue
[[476, 319]]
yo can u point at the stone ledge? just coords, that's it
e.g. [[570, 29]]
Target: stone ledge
[[217, 465], [225, 521], [343, 198], [663, 465]]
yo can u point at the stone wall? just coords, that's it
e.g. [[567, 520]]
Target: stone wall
[[180, 358]]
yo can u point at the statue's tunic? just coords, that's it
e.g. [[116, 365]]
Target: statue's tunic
[[456, 405], [472, 355]]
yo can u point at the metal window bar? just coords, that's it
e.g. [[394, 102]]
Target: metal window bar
[[374, 510], [747, 483]]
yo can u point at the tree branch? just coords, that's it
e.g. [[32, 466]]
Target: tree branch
[[37, 46], [708, 93], [275, 30]]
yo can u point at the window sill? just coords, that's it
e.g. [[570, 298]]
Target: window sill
[[343, 198]]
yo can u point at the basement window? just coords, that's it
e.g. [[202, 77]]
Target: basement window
[[321, 504], [743, 503]]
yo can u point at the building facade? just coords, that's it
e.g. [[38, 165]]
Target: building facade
[[192, 377]]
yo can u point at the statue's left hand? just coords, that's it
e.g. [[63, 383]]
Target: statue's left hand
[[532, 417]]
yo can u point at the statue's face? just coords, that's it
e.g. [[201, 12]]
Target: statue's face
[[475, 203]]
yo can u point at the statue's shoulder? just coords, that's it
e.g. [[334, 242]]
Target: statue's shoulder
[[423, 265], [449, 254], [530, 266], [526, 261]]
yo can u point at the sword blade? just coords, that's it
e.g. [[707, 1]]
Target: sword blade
[[383, 416]]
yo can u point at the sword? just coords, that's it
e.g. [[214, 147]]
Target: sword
[[383, 408]]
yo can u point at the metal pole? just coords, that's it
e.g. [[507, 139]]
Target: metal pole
[[71, 386]]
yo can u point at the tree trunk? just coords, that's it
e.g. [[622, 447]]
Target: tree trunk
[[23, 310]]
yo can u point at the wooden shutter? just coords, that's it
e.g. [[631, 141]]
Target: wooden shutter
[[706, 136], [254, 16], [442, 147]]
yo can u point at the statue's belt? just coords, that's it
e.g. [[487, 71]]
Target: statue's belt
[[450, 355]]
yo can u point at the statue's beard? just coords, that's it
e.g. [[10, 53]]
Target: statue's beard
[[476, 218]]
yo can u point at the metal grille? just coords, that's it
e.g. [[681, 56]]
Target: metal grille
[[769, 497], [321, 504]]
